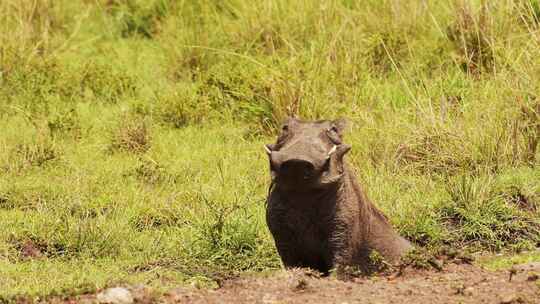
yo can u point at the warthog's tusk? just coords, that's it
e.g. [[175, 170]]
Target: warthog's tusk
[[268, 151], [334, 148]]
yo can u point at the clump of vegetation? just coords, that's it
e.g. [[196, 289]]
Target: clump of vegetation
[[386, 50], [528, 127], [420, 258], [182, 107], [34, 23], [472, 34], [229, 236], [33, 86], [156, 218], [64, 122], [152, 173], [132, 135], [36, 154], [529, 12], [103, 82], [434, 152], [34, 248], [137, 17], [75, 238], [479, 217]]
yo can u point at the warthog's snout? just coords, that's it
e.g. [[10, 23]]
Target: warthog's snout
[[296, 170]]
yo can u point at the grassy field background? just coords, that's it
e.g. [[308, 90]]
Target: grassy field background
[[131, 131]]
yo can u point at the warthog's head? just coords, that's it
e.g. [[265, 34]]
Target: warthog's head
[[307, 155]]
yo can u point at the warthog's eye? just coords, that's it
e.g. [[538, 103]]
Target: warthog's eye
[[284, 134]]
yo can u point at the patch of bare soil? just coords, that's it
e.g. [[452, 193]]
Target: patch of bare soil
[[455, 284]]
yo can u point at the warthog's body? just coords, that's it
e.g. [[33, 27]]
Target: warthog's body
[[316, 211]]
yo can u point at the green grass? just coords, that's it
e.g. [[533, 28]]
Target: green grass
[[132, 131], [508, 260]]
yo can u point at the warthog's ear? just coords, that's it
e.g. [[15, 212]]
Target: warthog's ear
[[340, 124], [289, 120]]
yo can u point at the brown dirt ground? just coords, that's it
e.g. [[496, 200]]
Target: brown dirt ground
[[462, 283], [455, 284]]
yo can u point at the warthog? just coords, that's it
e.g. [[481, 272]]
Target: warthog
[[316, 211]]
